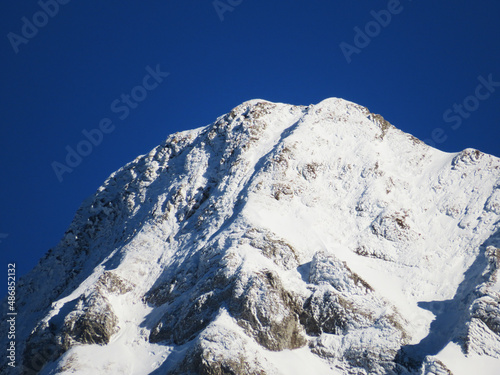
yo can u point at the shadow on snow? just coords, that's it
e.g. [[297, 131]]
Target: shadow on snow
[[451, 315]]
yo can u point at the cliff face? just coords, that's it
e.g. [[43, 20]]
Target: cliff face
[[279, 240]]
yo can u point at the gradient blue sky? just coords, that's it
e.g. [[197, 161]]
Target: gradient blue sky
[[419, 66]]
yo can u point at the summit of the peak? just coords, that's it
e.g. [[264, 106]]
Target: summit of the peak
[[252, 102], [325, 102], [334, 100]]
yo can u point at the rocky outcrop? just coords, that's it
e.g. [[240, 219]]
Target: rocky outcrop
[[342, 304], [483, 330], [268, 312], [88, 320], [222, 350]]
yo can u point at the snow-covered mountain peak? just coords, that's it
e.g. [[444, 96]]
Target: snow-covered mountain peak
[[277, 240]]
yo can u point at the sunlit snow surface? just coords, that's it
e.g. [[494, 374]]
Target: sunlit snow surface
[[333, 181]]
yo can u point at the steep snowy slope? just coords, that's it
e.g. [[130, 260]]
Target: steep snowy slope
[[279, 240]]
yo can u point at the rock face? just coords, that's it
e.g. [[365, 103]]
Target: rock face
[[278, 240]]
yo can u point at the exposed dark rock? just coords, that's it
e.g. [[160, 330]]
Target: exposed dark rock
[[466, 157], [276, 249], [206, 358], [381, 122], [268, 312], [433, 366], [95, 323], [112, 283], [168, 290], [325, 312], [182, 322], [204, 362], [488, 311], [92, 321], [374, 361]]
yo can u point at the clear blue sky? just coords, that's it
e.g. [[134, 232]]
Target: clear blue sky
[[418, 63]]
